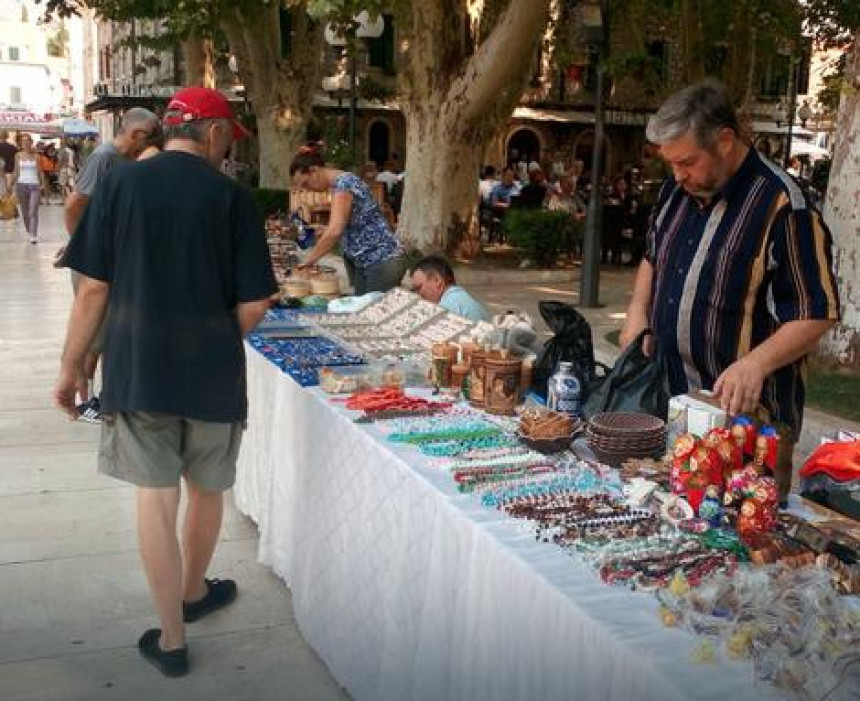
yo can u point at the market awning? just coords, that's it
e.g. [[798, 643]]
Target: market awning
[[30, 122], [78, 127], [547, 115], [611, 116], [782, 129]]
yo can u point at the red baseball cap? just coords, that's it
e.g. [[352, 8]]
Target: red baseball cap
[[202, 103]]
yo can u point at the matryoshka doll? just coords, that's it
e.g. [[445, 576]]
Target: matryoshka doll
[[682, 450], [737, 487], [766, 494], [767, 448], [744, 435], [711, 510]]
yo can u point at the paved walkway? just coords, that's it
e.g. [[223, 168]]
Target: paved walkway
[[73, 599]]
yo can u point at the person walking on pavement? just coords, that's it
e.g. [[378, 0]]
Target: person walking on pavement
[[7, 155], [180, 281], [28, 180], [138, 126]]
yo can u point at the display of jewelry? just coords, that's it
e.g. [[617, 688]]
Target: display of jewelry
[[798, 633]]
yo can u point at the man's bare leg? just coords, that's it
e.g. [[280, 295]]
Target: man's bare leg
[[159, 548], [200, 533]]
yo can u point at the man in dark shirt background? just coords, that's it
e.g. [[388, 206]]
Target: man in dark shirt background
[[7, 153], [174, 254], [534, 195]]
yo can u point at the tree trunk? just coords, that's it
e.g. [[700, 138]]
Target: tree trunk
[[199, 62], [281, 133], [842, 214], [440, 187], [279, 81], [453, 102]]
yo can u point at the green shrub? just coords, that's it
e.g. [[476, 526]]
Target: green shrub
[[542, 234], [270, 201]]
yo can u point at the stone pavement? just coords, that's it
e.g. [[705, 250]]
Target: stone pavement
[[73, 598]]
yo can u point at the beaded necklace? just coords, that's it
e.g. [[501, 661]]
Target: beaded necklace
[[451, 448], [521, 459], [444, 434]]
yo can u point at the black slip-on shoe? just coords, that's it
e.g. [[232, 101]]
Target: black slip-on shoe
[[221, 593], [171, 663]]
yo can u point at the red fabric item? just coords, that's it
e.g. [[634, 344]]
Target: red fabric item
[[202, 103], [840, 461]]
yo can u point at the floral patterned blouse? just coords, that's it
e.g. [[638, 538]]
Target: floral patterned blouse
[[367, 239]]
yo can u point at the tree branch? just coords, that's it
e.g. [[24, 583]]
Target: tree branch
[[495, 74]]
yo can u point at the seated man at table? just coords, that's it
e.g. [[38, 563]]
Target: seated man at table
[[535, 194], [433, 280], [501, 194]]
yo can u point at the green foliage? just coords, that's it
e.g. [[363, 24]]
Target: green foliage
[[270, 201], [542, 234], [337, 151], [371, 89], [58, 43]]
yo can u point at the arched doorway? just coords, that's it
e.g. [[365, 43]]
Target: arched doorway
[[378, 142], [523, 144]]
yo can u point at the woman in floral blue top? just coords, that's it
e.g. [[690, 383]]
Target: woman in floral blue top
[[373, 255]]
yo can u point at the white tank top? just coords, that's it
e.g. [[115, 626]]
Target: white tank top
[[28, 172]]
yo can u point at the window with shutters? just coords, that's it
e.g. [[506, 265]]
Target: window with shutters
[[380, 51]]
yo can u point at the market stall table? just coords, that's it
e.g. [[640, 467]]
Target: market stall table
[[408, 589]]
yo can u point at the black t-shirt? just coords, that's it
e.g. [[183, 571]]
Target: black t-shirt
[[7, 153], [180, 245]]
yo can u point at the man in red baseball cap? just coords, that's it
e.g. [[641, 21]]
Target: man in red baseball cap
[[195, 104], [172, 253]]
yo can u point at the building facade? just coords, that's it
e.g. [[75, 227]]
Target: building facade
[[35, 68]]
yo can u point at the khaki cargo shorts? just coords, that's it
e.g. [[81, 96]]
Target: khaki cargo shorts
[[155, 450]]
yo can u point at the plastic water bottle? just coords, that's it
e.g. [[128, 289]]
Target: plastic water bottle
[[306, 237], [564, 391]]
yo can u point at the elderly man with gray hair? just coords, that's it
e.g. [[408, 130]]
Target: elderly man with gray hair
[[136, 128], [737, 283], [172, 254]]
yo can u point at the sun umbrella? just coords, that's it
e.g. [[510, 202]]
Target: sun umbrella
[[79, 127]]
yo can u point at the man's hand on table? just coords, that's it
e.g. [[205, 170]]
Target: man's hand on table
[[739, 387]]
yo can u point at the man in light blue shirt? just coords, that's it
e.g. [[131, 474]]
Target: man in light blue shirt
[[433, 280]]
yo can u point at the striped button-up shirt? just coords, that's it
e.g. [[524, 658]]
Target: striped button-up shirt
[[728, 274]]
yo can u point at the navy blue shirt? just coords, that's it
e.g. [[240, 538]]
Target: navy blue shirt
[[729, 273], [180, 245]]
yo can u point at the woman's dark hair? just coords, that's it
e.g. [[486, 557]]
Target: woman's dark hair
[[436, 265], [306, 158]]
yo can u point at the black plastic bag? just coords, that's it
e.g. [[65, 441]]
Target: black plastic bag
[[636, 382], [571, 342]]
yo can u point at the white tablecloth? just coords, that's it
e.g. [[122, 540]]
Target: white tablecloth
[[409, 590]]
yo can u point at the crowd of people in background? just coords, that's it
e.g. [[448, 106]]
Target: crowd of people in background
[[526, 183], [56, 163]]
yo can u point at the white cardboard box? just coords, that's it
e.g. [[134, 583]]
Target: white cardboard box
[[695, 413]]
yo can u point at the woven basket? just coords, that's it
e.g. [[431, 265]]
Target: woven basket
[[547, 446]]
